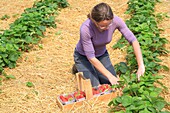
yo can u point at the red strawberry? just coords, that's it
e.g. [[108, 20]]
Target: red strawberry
[[66, 98], [101, 88], [69, 97], [63, 98], [95, 91], [105, 87], [79, 94]]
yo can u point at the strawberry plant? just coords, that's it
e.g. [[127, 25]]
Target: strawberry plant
[[144, 25], [139, 97], [5, 17], [27, 30], [29, 84], [143, 96]]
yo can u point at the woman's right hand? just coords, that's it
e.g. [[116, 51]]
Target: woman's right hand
[[113, 80]]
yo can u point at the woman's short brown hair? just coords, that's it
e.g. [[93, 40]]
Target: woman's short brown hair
[[100, 12]]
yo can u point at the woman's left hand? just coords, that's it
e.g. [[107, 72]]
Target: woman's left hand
[[141, 71]]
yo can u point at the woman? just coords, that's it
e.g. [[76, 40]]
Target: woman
[[91, 56]]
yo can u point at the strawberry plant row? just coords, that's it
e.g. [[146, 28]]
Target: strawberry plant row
[[27, 30], [144, 25], [143, 96]]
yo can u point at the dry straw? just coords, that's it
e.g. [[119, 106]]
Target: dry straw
[[49, 68]]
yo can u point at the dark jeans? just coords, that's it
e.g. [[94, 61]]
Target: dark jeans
[[90, 72]]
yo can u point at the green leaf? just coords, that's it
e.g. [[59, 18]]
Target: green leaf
[[4, 17], [40, 46], [58, 32], [152, 109], [154, 94], [158, 77], [127, 79], [115, 101], [28, 39], [126, 90], [141, 107], [119, 100], [141, 89], [126, 100], [13, 57], [29, 84], [145, 111], [158, 60], [11, 64], [110, 103], [134, 86], [159, 104], [36, 92], [165, 68], [2, 49], [42, 28], [128, 111], [39, 33], [9, 46], [10, 77], [4, 55], [131, 108]]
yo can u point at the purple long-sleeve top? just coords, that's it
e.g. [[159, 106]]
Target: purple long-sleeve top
[[93, 42]]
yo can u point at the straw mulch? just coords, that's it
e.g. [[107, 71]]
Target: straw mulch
[[49, 69], [164, 8]]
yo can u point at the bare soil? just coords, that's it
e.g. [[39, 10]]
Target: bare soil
[[49, 69]]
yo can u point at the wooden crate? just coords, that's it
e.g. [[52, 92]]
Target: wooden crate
[[85, 85]]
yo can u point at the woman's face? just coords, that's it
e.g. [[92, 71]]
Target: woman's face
[[103, 25]]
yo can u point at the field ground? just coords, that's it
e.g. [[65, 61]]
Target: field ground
[[49, 69]]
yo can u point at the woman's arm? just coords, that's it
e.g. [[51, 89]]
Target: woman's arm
[[130, 37], [99, 66], [139, 58]]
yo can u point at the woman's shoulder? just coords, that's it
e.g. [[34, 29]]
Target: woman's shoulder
[[87, 24], [117, 20]]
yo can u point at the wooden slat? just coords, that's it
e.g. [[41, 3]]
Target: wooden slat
[[88, 89], [80, 79]]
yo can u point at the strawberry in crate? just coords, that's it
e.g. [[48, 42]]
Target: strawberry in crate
[[66, 99], [79, 95], [96, 91], [105, 88]]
